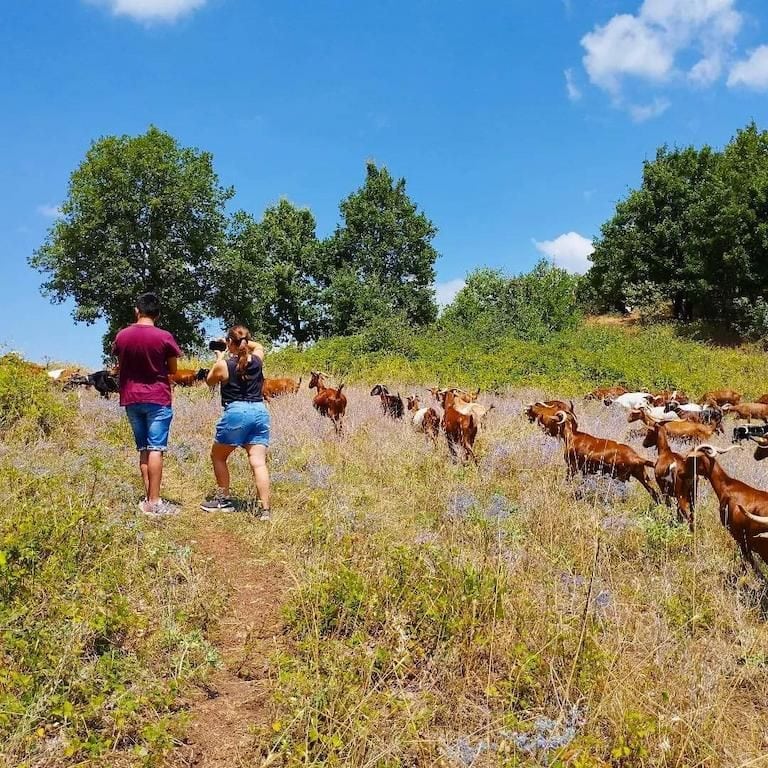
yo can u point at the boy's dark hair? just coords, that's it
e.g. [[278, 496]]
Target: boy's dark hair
[[148, 305]]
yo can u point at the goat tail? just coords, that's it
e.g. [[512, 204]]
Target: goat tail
[[649, 462], [341, 386]]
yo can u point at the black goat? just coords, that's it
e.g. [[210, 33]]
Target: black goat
[[392, 405]]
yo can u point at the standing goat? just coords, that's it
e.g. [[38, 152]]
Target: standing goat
[[424, 418], [743, 509], [672, 475], [392, 405], [599, 455], [328, 401]]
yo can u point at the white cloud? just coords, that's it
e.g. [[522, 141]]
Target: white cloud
[[49, 211], [446, 292], [752, 72], [151, 10], [570, 251], [642, 112], [625, 46], [574, 94], [646, 47]]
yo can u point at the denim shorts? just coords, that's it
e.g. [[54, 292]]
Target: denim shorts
[[151, 424], [243, 423]]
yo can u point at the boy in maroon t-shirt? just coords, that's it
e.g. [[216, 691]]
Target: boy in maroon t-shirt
[[146, 355]]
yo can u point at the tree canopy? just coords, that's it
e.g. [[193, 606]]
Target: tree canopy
[[695, 233], [142, 213], [380, 259], [268, 275]]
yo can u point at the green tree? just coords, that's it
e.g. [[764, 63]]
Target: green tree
[[380, 260], [268, 274], [695, 233], [142, 213], [530, 306]]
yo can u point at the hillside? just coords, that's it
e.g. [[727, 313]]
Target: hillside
[[400, 610], [568, 363]]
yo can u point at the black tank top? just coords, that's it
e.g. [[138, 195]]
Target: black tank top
[[246, 388]]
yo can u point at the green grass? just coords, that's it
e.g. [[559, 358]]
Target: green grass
[[569, 363]]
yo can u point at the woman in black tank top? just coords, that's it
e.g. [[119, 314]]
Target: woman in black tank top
[[245, 420]]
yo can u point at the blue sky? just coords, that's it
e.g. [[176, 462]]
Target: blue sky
[[517, 125]]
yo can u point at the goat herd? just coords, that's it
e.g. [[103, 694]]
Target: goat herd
[[668, 415]]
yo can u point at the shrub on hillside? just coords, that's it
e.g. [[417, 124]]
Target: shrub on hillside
[[28, 404]]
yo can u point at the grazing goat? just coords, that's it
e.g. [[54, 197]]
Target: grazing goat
[[658, 412], [672, 477], [601, 393], [105, 382], [62, 375], [762, 399], [328, 401], [666, 396], [698, 414], [594, 455], [276, 387], [392, 405], [748, 411], [544, 413], [682, 429], [424, 418], [743, 509], [630, 400], [186, 377], [720, 397]]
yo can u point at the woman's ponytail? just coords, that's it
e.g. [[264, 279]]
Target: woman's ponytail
[[240, 336]]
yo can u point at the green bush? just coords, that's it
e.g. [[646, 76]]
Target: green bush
[[28, 404]]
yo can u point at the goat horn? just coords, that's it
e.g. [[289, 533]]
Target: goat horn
[[562, 417], [757, 518], [540, 402]]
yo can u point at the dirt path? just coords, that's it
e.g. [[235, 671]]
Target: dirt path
[[225, 725]]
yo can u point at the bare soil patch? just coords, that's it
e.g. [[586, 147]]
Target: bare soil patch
[[234, 709]]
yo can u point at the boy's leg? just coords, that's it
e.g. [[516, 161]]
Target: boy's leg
[[159, 419], [144, 469]]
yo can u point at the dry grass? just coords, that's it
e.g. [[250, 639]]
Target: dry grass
[[499, 615], [496, 615]]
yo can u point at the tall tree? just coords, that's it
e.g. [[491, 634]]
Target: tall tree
[[268, 276], [694, 233], [142, 213], [380, 259]]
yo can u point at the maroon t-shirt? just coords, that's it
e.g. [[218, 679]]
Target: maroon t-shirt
[[143, 352]]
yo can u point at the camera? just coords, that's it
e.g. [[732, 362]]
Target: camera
[[217, 345]]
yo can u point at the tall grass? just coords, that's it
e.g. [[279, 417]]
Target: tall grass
[[568, 363], [500, 615], [101, 615]]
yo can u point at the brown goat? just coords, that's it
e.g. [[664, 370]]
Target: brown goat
[[743, 509], [672, 477], [276, 387], [720, 397], [602, 392], [424, 418], [761, 451], [748, 411], [598, 455], [681, 429], [666, 396], [460, 428], [328, 401], [186, 377], [762, 399], [544, 413]]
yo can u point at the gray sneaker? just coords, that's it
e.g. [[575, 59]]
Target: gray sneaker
[[159, 509], [219, 503], [264, 515]]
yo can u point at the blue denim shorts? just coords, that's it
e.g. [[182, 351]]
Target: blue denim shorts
[[243, 423], [151, 424]]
